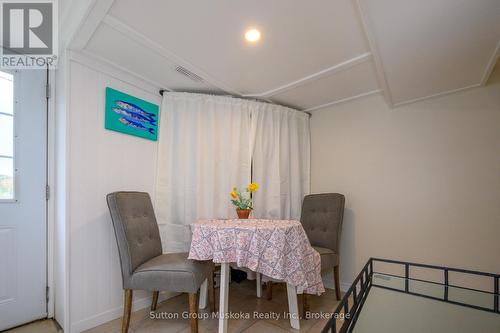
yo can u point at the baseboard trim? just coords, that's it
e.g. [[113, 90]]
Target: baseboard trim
[[344, 287], [327, 278], [115, 313], [328, 283]]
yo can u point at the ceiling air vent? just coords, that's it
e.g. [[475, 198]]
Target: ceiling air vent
[[189, 74]]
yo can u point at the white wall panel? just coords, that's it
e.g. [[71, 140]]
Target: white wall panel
[[100, 161]]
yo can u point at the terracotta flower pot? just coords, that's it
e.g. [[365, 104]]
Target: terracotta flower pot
[[243, 214]]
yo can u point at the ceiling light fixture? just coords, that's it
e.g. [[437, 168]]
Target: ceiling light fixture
[[252, 35]]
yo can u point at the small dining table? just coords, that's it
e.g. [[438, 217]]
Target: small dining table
[[278, 249]]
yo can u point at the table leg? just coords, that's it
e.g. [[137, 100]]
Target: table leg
[[293, 306], [223, 298], [259, 284], [203, 295]]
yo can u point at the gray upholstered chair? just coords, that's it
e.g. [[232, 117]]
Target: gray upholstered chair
[[321, 217], [143, 264]]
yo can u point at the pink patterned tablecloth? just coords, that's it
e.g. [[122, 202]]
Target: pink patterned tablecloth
[[279, 249]]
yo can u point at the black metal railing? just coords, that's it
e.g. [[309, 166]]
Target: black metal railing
[[445, 283], [345, 315], [347, 311]]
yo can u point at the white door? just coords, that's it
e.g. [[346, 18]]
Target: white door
[[23, 244]]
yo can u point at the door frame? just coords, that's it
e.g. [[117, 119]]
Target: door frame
[[51, 176]]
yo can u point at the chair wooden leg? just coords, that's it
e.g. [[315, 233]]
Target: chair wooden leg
[[154, 303], [258, 284], [305, 306], [211, 292], [337, 282], [193, 312], [127, 308], [269, 290]]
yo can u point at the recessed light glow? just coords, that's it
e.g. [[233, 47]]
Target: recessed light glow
[[252, 35]]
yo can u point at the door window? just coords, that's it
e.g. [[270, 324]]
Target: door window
[[6, 136]]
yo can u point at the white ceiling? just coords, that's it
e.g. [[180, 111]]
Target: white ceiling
[[433, 46], [312, 53]]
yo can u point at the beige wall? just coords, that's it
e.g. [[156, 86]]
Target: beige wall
[[422, 181]]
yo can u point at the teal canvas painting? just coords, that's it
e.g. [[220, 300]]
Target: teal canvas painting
[[130, 115]]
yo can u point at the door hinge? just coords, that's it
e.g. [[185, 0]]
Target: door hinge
[[47, 293], [47, 192], [47, 91]]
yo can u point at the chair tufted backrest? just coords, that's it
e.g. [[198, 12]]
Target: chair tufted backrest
[[321, 217], [136, 230]]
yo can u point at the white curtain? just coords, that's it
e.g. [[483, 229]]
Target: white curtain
[[203, 152], [208, 144], [280, 139]]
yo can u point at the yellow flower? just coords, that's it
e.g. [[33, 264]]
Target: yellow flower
[[234, 195], [252, 187]]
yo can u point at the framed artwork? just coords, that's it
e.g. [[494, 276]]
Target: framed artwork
[[130, 115]]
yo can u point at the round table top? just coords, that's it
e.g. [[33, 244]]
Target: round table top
[[247, 223]]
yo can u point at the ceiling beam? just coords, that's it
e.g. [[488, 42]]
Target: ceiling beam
[[347, 99], [379, 67], [128, 31], [326, 72], [95, 13], [491, 64]]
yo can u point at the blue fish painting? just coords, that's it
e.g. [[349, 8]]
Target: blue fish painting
[[134, 116], [131, 115], [135, 124], [134, 108]]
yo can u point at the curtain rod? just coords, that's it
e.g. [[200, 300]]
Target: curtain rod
[[162, 91]]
